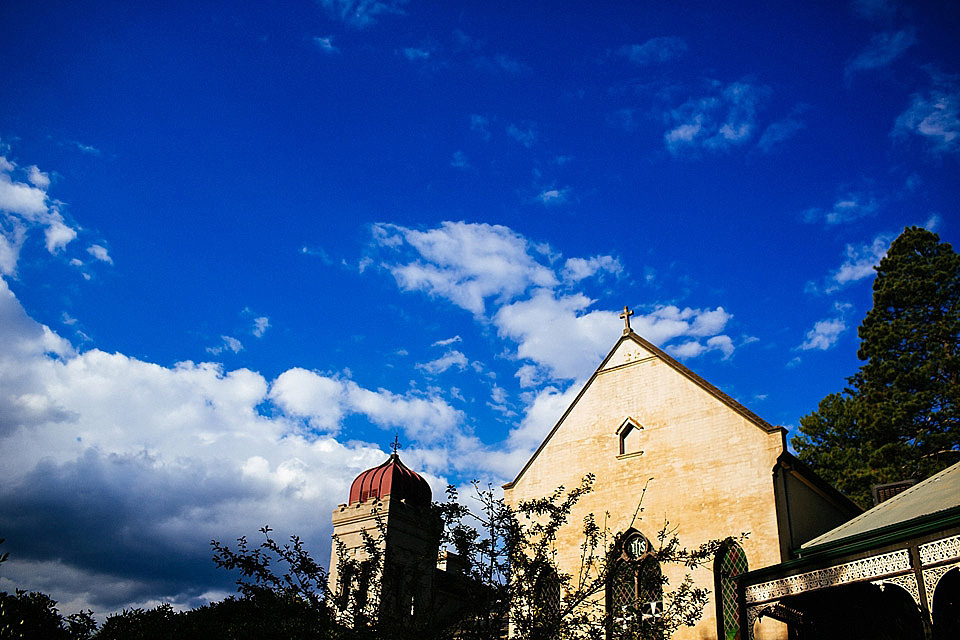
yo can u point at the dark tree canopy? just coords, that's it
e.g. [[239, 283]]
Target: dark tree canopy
[[899, 417]]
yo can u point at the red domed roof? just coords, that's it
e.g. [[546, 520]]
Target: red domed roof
[[392, 478]]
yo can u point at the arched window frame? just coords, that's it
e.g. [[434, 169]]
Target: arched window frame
[[627, 428], [546, 588], [546, 601], [634, 580], [731, 561]]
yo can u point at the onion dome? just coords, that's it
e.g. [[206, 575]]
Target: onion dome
[[394, 479]]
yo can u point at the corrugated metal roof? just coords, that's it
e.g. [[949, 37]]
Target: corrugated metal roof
[[935, 494]]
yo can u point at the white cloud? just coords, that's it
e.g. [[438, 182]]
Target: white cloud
[[779, 131], [527, 135], [86, 148], [105, 444], [695, 348], [414, 53], [824, 334], [668, 322], [685, 133], [478, 265], [38, 178], [883, 49], [510, 65], [20, 198], [228, 343], [425, 418], [722, 343], [553, 196], [57, 234], [528, 376], [687, 349], [848, 208], [310, 395], [577, 269], [452, 358], [724, 119], [324, 401], [100, 253], [12, 236], [447, 341], [460, 160], [465, 263], [480, 125], [325, 43], [934, 116], [24, 206], [860, 262], [260, 326], [535, 323], [362, 13], [656, 50], [543, 412]]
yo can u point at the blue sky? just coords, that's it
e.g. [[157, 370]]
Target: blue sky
[[243, 246]]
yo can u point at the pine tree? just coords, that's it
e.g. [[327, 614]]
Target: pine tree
[[899, 417]]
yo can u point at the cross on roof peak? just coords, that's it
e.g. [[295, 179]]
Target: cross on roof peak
[[625, 316], [395, 445]]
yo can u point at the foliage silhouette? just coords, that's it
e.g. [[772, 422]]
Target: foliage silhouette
[[900, 416]]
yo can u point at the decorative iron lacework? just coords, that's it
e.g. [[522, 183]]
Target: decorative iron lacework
[[930, 579], [940, 550], [752, 614], [856, 571], [908, 581], [732, 563]]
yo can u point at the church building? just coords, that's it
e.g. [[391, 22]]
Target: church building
[[712, 468], [646, 427]]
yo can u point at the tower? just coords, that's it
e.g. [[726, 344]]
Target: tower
[[385, 543]]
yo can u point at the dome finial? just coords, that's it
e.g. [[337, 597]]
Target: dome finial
[[395, 445]]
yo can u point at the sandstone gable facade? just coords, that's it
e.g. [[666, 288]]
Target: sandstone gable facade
[[711, 467]]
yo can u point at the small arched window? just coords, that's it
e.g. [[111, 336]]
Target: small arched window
[[731, 562], [629, 437]]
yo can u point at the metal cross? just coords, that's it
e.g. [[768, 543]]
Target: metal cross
[[625, 316], [396, 443]]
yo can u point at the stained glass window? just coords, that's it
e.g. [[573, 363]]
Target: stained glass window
[[547, 591], [731, 562], [634, 588]]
